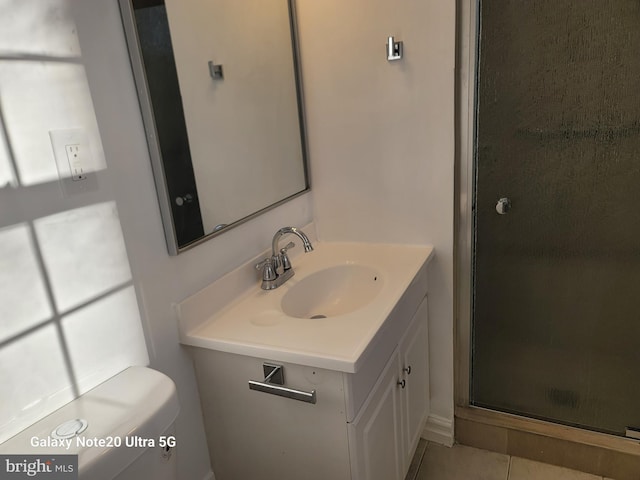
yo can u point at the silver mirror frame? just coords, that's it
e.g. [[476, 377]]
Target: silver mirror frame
[[140, 76]]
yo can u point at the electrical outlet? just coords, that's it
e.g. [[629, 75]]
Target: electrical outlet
[[75, 153], [73, 158]]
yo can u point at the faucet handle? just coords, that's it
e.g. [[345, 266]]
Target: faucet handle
[[263, 263], [268, 273], [284, 258], [288, 246]]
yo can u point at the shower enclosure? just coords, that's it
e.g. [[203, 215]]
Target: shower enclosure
[[552, 210]]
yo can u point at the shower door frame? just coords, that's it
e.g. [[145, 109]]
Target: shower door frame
[[467, 37], [466, 60]]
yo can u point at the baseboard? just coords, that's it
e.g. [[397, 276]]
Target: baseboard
[[439, 430]]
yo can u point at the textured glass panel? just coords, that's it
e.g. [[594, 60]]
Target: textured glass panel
[[557, 305]]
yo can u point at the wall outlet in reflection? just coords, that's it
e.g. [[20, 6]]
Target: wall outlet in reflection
[[73, 158]]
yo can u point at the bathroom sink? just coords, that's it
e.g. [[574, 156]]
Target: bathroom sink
[[327, 315], [331, 292]]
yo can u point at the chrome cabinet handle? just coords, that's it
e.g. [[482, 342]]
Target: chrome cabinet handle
[[309, 397], [503, 206], [402, 383], [274, 384], [407, 370]]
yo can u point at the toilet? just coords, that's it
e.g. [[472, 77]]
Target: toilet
[[123, 429]]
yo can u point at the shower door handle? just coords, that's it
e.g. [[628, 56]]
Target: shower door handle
[[503, 206]]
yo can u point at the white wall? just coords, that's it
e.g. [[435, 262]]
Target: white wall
[[382, 140]]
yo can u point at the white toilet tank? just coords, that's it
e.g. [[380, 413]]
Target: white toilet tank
[[120, 430]]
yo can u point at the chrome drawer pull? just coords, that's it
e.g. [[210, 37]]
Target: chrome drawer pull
[[309, 397], [273, 384]]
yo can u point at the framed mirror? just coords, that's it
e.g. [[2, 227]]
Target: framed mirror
[[220, 92]]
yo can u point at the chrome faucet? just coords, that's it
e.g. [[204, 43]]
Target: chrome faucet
[[277, 269]]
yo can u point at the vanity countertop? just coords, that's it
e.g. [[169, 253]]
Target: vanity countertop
[[254, 323]]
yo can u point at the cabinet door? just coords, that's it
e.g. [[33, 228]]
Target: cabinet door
[[414, 354], [375, 436]]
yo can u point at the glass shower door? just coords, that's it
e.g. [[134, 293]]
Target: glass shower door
[[556, 320]]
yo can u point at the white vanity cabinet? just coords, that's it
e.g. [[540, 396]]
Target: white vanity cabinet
[[255, 435], [365, 364], [385, 434]]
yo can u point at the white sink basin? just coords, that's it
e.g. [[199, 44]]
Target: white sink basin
[[333, 291], [326, 315]]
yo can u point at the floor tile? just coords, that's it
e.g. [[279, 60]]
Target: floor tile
[[462, 463], [523, 469]]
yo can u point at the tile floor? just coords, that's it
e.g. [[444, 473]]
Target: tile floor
[[435, 462]]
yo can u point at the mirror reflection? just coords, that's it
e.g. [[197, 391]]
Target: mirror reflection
[[220, 93]]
